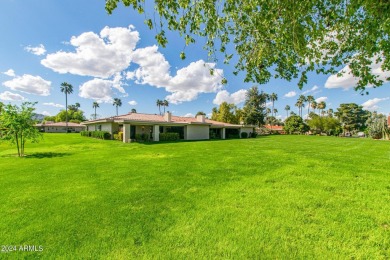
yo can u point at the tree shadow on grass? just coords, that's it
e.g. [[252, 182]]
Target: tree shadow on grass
[[46, 155]]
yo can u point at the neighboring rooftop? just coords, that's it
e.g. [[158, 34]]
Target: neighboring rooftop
[[166, 118], [60, 124]]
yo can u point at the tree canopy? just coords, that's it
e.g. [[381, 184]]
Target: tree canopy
[[280, 39], [17, 125]]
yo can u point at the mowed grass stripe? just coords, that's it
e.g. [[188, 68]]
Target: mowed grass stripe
[[270, 197]]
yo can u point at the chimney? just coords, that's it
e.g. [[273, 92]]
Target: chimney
[[167, 116], [200, 118]]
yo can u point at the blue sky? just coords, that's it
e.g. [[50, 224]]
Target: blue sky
[[47, 42]]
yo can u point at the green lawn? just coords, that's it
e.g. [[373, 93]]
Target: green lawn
[[270, 197]]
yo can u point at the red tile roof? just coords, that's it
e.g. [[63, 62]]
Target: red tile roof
[[275, 127], [60, 124]]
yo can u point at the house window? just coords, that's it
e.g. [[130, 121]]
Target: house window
[[100, 127]]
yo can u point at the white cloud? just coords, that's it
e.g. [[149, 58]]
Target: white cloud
[[320, 99], [133, 103], [29, 84], [235, 98], [53, 104], [189, 115], [96, 55], [291, 94], [314, 88], [39, 50], [45, 113], [268, 104], [347, 80], [97, 89], [10, 73], [371, 104], [9, 96], [186, 85]]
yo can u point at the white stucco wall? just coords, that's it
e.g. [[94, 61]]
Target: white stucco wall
[[197, 132], [247, 130]]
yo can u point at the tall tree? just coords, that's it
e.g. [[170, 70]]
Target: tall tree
[[18, 126], [67, 89], [330, 112], [254, 107], [275, 112], [268, 111], [133, 110], [95, 105], [309, 100], [277, 38], [314, 105], [302, 99], [159, 103], [377, 126], [287, 108], [165, 104], [117, 103], [300, 104], [273, 97], [321, 106], [225, 113], [352, 116]]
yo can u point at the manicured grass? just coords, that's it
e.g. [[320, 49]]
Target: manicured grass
[[270, 197]]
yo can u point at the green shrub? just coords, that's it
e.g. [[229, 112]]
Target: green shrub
[[84, 133], [96, 134], [254, 135], [169, 136], [116, 137], [244, 135], [120, 136]]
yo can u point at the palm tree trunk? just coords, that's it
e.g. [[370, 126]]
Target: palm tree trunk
[[95, 113], [66, 111], [117, 110]]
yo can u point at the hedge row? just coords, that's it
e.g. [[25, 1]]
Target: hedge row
[[169, 136], [96, 134]]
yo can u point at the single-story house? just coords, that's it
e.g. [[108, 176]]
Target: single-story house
[[60, 127], [188, 128]]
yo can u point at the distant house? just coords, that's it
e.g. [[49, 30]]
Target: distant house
[[188, 128], [276, 128], [60, 127]]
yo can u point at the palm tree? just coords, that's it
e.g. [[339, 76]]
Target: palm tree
[[321, 106], [67, 89], [95, 105], [330, 112], [133, 110], [273, 97], [268, 111], [309, 100], [117, 103], [275, 111], [165, 103], [314, 105], [302, 100], [159, 103], [300, 104], [287, 108]]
